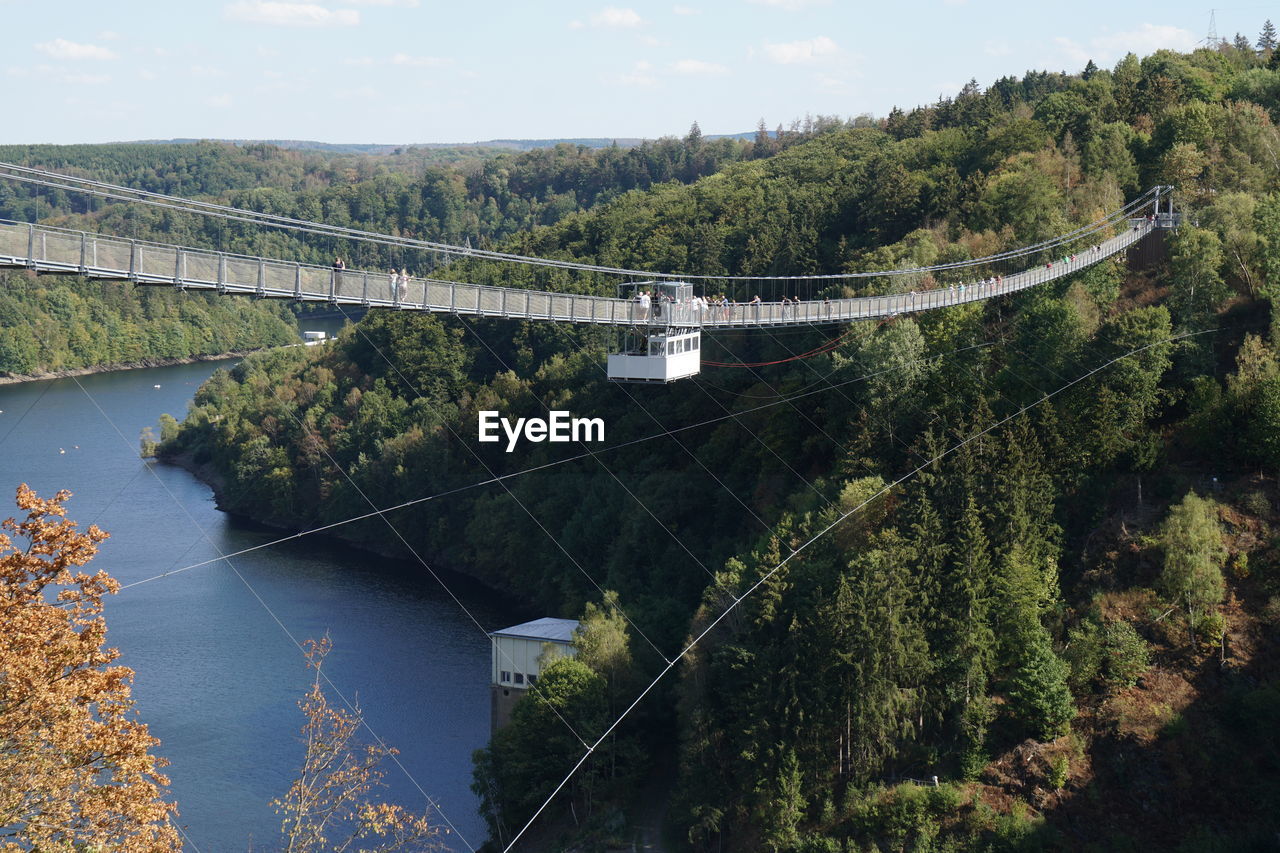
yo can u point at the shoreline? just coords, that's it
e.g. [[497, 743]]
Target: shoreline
[[18, 378], [209, 476]]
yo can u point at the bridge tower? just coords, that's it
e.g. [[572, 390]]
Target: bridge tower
[[663, 343]]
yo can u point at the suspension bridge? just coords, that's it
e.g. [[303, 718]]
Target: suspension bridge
[[669, 321]]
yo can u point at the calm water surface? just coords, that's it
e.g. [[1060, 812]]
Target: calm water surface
[[218, 677]]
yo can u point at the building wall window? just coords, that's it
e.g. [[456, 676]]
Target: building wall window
[[519, 678], [506, 677], [533, 679]]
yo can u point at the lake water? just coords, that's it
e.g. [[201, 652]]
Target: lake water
[[217, 675]]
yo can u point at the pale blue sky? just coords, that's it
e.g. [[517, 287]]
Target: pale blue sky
[[402, 71]]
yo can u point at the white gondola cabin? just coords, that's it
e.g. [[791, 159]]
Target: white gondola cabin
[[664, 341]]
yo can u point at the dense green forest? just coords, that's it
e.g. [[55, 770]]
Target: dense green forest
[[1059, 633], [58, 323], [455, 195]]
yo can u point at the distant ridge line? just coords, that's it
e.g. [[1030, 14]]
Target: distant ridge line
[[382, 148]]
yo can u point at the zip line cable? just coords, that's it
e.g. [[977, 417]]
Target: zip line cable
[[737, 419], [819, 350], [280, 623], [233, 213], [893, 436], [513, 496], [382, 515], [743, 596], [387, 751], [595, 457], [324, 528]]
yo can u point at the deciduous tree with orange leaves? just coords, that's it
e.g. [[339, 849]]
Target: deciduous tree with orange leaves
[[76, 769], [327, 809]]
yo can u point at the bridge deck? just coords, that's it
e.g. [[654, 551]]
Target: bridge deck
[[55, 250]]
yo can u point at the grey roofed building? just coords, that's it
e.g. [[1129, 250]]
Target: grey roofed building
[[519, 653], [547, 629]]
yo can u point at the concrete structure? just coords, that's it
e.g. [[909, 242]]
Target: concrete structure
[[519, 653]]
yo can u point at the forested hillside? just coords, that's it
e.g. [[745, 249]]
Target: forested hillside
[[1066, 616], [454, 195]]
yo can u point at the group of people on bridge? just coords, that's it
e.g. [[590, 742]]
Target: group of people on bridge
[[398, 281]]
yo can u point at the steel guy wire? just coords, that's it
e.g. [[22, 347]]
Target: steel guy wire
[[382, 744], [509, 492], [595, 457], [887, 427], [768, 385], [803, 479], [531, 470], [816, 426], [382, 514], [839, 519], [671, 434], [47, 385]]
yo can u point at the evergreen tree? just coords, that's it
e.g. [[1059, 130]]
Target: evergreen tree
[[1267, 38], [1038, 693], [694, 139], [1263, 434], [783, 808], [969, 646]]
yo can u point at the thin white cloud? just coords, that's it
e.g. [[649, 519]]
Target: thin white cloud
[[1110, 47], [419, 61], [58, 75], [86, 79], [576, 25], [290, 14], [108, 35], [63, 49], [284, 81], [686, 10], [997, 48], [219, 101], [403, 4], [207, 72], [640, 76], [1076, 53], [358, 93], [792, 5], [615, 18], [832, 83], [403, 60], [698, 66], [801, 52]]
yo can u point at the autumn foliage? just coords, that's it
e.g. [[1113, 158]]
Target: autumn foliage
[[327, 808], [76, 771]]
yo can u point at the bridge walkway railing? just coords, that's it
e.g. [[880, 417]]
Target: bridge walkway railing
[[48, 249]]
